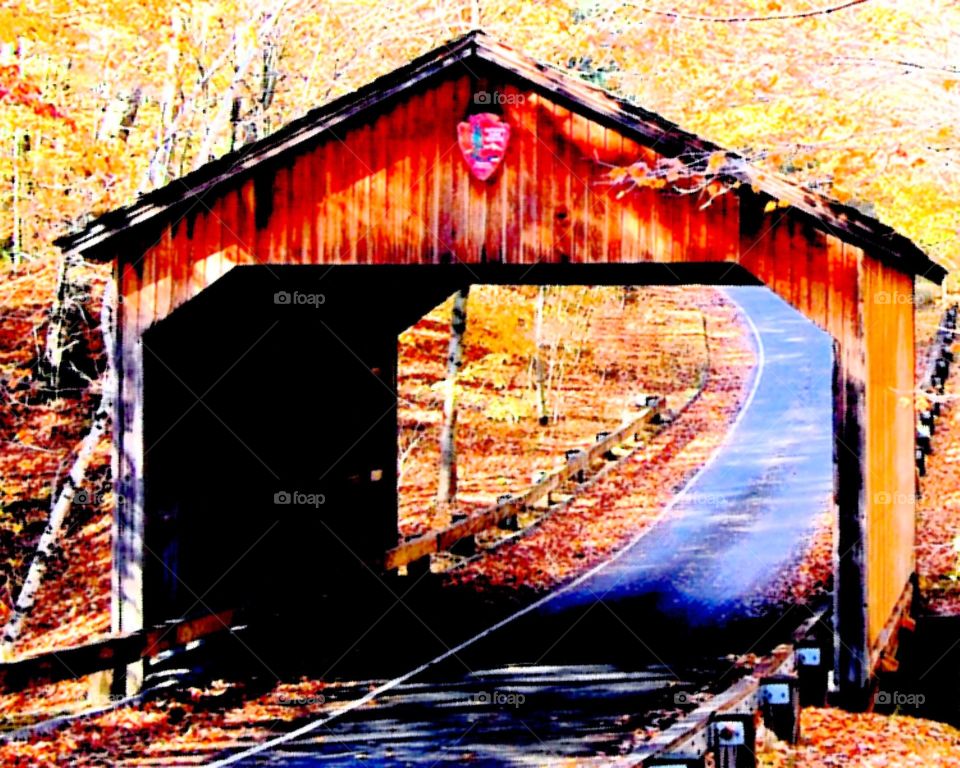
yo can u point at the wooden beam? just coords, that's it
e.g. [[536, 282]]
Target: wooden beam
[[128, 523], [850, 565], [117, 652]]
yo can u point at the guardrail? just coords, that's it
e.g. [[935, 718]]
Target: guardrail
[[579, 463], [722, 731], [934, 385], [110, 652]]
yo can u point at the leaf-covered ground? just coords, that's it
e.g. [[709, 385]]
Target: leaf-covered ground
[[630, 497], [40, 429], [602, 347], [938, 511], [833, 738]]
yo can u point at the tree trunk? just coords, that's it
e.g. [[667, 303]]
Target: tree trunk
[[58, 338], [130, 114], [447, 488], [17, 237], [61, 507], [539, 363]]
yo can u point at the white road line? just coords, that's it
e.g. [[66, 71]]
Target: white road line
[[391, 684]]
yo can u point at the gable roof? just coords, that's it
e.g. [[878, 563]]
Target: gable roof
[[594, 103]]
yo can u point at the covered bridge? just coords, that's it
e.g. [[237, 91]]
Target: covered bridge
[[261, 297]]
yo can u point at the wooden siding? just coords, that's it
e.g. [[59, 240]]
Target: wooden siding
[[398, 191], [891, 483]]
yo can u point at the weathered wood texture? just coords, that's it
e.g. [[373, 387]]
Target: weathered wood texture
[[398, 191], [392, 188], [888, 321]]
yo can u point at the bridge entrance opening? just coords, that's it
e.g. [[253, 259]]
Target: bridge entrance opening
[[273, 434]]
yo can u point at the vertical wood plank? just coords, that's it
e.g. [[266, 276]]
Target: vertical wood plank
[[296, 194], [362, 146], [583, 169], [547, 179], [165, 260], [850, 595]]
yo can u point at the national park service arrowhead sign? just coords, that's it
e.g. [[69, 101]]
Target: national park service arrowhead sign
[[483, 140]]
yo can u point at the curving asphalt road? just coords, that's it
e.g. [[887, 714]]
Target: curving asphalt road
[[575, 674], [742, 516]]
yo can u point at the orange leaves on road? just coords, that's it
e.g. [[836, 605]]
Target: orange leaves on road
[[938, 510]]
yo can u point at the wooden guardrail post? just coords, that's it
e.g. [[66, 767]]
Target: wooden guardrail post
[[510, 522], [538, 477], [465, 546], [733, 740], [573, 456], [923, 438], [810, 662], [780, 706], [607, 455]]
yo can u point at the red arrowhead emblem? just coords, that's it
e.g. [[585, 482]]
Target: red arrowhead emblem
[[483, 140]]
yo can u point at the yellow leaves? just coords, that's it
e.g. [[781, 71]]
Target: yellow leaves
[[773, 205], [509, 409], [716, 161], [617, 175]]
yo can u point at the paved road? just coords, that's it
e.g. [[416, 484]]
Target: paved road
[[745, 512], [577, 674]]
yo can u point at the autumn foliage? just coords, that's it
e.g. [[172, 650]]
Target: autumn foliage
[[102, 101]]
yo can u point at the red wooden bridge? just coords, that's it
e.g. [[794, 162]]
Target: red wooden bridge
[[390, 198]]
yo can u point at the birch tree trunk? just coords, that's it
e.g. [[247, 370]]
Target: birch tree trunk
[[447, 487], [61, 507]]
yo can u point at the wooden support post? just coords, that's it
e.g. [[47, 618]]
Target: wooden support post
[[571, 456], [850, 567], [536, 478], [509, 523], [128, 517], [467, 546], [609, 455]]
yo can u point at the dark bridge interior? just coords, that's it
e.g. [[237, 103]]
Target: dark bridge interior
[[282, 380]]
